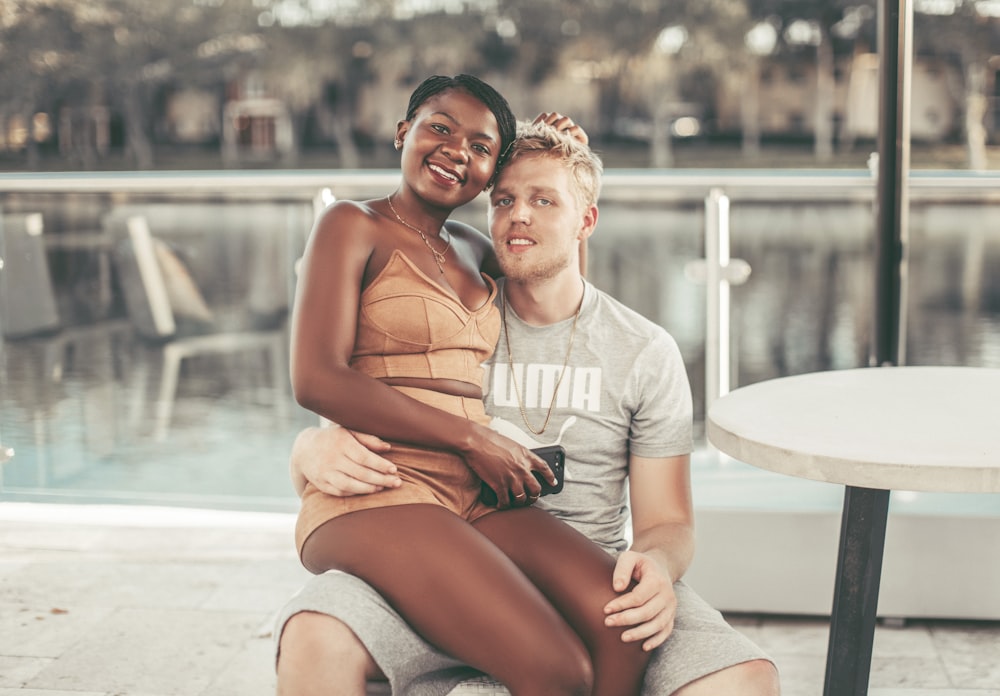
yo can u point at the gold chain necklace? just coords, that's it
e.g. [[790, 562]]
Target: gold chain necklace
[[510, 364], [439, 256]]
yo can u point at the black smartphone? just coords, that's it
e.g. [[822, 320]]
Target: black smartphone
[[554, 456]]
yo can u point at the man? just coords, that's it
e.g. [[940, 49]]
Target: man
[[573, 367]]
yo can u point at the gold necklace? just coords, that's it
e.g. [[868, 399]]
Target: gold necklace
[[439, 256], [510, 364]]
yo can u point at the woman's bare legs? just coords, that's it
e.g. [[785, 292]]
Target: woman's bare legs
[[575, 575], [460, 592]]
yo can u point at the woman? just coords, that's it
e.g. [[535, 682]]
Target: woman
[[392, 321]]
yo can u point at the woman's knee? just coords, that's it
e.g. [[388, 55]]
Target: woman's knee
[[566, 671], [547, 658], [609, 653], [616, 652]]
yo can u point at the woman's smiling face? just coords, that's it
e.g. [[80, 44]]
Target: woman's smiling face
[[450, 148]]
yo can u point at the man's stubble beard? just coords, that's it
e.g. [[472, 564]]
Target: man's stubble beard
[[544, 270]]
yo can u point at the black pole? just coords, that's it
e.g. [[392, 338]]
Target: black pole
[[863, 522], [855, 594], [895, 30]]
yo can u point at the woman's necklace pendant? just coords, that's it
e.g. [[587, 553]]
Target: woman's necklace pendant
[[439, 256]]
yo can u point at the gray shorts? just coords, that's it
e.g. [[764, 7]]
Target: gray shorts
[[701, 643]]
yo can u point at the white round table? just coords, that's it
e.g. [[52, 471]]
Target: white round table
[[873, 430]]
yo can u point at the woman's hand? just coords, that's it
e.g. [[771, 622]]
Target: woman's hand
[[564, 124], [507, 467]]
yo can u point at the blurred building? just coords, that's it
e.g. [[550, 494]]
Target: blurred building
[[788, 97]]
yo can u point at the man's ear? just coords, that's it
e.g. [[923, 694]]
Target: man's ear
[[589, 222]]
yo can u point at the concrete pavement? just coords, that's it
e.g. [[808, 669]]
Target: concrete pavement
[[140, 601]]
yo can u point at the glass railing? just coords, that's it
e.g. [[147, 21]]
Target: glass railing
[[104, 401]]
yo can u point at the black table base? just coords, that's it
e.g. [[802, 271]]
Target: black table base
[[855, 594]]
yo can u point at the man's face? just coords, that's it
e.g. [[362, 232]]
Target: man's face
[[536, 220]]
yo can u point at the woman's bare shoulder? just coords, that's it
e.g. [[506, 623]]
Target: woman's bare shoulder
[[345, 216], [348, 224]]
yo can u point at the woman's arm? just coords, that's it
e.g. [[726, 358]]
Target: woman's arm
[[324, 323]]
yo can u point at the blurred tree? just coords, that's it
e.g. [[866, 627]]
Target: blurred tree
[[810, 24], [342, 66], [526, 39], [637, 51], [759, 42], [674, 41], [967, 33], [133, 49], [39, 50], [63, 55], [315, 61]]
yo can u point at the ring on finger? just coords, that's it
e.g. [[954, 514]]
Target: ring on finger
[[519, 496]]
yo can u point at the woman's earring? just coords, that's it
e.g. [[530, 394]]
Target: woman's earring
[[398, 143]]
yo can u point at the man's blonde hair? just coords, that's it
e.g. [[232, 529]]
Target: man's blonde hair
[[543, 139]]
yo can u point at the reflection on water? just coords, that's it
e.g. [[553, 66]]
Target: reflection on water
[[81, 415], [809, 300], [83, 407]]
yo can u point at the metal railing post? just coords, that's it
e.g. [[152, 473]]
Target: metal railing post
[[718, 271], [716, 297]]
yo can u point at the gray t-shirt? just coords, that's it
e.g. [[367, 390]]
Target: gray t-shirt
[[625, 391]]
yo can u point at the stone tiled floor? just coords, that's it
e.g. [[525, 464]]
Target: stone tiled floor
[[162, 602]]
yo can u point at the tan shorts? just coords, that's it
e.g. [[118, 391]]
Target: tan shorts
[[428, 475]]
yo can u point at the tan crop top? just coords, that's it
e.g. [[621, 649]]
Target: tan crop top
[[409, 326]]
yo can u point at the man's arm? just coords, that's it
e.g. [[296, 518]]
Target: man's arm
[[663, 511], [662, 549], [340, 462]]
